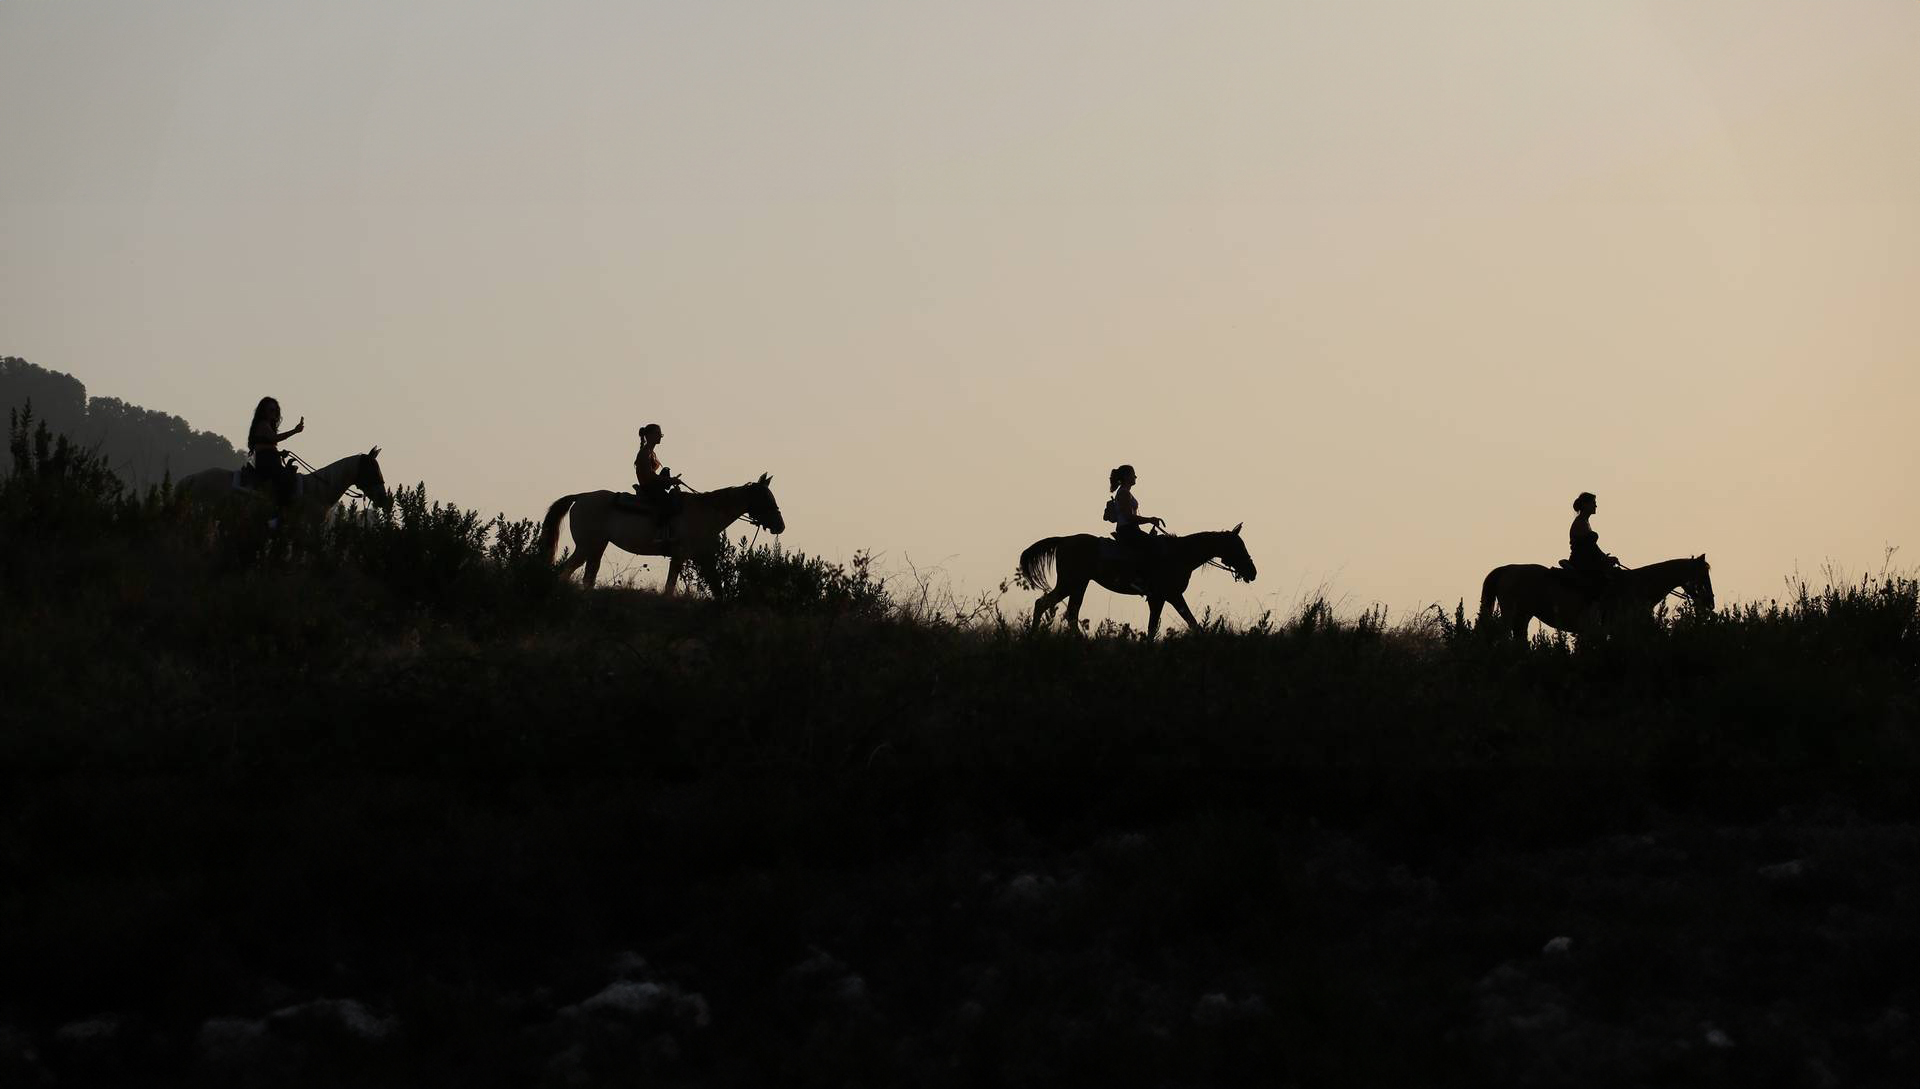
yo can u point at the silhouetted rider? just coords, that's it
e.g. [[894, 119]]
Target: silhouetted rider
[[654, 483], [1123, 510], [1583, 544], [263, 443], [651, 480]]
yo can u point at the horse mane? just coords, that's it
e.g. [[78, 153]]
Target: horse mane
[[733, 488], [1207, 536], [1677, 563]]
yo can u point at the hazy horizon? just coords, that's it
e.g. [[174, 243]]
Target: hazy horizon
[[1388, 281]]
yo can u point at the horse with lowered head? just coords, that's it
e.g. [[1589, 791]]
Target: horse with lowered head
[[690, 534], [1524, 592], [1159, 571], [316, 493]]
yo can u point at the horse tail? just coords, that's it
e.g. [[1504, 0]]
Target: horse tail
[[550, 529], [1037, 558], [1488, 597]]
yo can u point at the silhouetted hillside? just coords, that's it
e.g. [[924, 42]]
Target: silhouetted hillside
[[382, 802], [139, 444]]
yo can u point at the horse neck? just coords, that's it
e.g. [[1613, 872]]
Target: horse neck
[[1656, 580], [732, 502], [334, 479], [1195, 549], [722, 507]]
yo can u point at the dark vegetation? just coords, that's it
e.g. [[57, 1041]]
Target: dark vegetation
[[140, 446], [386, 804]]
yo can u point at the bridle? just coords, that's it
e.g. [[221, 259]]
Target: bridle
[[1164, 531], [1237, 576], [749, 517], [1685, 592], [353, 490], [1212, 561]]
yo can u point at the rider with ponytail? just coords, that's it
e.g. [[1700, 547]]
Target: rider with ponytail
[[1123, 510], [263, 443], [651, 480]]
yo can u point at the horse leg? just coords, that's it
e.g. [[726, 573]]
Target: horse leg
[[1517, 621], [1154, 605], [1179, 602], [1043, 607], [593, 563], [673, 576], [1074, 599], [583, 545]]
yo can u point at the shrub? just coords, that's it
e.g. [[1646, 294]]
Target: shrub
[[55, 481], [434, 552], [770, 577]]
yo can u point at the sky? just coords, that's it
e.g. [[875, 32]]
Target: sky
[[1389, 281]]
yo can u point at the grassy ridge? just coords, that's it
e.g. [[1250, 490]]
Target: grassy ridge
[[387, 803]]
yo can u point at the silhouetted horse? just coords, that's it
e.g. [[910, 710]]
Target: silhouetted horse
[[1528, 591], [315, 494], [602, 518], [1158, 572]]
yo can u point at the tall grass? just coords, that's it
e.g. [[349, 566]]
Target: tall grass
[[892, 838]]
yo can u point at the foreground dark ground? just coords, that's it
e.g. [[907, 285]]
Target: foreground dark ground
[[370, 813]]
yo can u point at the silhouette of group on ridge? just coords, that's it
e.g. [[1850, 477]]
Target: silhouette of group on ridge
[[1139, 557]]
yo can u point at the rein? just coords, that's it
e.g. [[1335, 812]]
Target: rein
[[353, 490], [681, 482], [745, 516], [1163, 531]]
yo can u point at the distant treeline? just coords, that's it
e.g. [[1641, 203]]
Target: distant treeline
[[138, 444]]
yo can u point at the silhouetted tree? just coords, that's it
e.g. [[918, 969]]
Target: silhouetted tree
[[139, 444]]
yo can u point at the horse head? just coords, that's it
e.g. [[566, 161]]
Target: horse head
[[1233, 553], [1699, 583], [762, 509], [370, 480]]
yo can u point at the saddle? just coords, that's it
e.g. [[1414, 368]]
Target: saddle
[[250, 480], [1130, 555], [1590, 582], [652, 505], [658, 506]]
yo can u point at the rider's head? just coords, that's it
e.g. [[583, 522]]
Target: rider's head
[[1122, 475], [267, 411], [1585, 503], [652, 434]]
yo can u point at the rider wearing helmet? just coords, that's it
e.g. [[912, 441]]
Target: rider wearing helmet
[[652, 481], [263, 443]]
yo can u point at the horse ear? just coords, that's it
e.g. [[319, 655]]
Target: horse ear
[[374, 453], [1236, 529], [766, 479]]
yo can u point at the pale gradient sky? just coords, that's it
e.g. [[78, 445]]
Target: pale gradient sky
[[1389, 280]]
